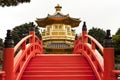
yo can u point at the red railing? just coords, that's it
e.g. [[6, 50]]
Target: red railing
[[27, 48], [90, 52], [25, 54], [116, 73], [103, 66]]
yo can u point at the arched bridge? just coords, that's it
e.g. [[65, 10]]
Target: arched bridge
[[89, 61]]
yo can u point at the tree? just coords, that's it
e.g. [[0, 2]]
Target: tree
[[12, 2], [98, 34], [23, 30], [116, 41], [118, 32], [1, 44], [1, 49]]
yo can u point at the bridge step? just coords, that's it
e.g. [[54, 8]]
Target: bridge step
[[58, 77], [58, 72], [59, 59], [58, 67]]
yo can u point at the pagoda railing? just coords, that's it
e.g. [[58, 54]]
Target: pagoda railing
[[58, 37]]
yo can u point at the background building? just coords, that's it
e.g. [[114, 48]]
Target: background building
[[58, 34]]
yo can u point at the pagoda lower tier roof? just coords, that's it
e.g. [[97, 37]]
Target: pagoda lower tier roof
[[58, 18]]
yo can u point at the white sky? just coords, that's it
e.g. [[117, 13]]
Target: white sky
[[104, 14]]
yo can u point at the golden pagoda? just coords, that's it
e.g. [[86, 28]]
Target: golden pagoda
[[58, 35]]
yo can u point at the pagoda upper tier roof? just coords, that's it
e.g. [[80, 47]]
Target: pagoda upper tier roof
[[58, 18]]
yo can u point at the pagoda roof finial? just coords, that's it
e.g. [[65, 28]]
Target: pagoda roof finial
[[58, 8]]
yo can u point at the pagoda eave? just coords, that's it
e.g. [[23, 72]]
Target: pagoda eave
[[48, 21]]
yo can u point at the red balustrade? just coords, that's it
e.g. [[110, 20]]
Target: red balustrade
[[90, 52], [27, 48], [103, 66]]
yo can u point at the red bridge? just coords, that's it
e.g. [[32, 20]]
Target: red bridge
[[87, 62]]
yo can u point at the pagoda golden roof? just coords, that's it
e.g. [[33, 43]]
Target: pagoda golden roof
[[58, 18]]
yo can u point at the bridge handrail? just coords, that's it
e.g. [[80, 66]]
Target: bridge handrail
[[91, 53], [95, 59], [25, 53], [95, 42], [86, 45], [37, 40], [28, 47], [104, 69], [116, 72], [21, 42]]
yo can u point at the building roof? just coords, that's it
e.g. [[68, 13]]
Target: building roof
[[58, 18]]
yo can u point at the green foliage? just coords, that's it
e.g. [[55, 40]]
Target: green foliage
[[116, 41], [12, 2], [23, 30], [118, 32], [1, 49], [98, 34], [1, 44], [1, 53]]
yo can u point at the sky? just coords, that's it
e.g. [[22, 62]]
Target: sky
[[104, 14]]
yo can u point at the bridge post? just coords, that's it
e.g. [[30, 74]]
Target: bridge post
[[108, 57], [32, 32], [75, 43], [8, 56], [76, 38], [84, 32]]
